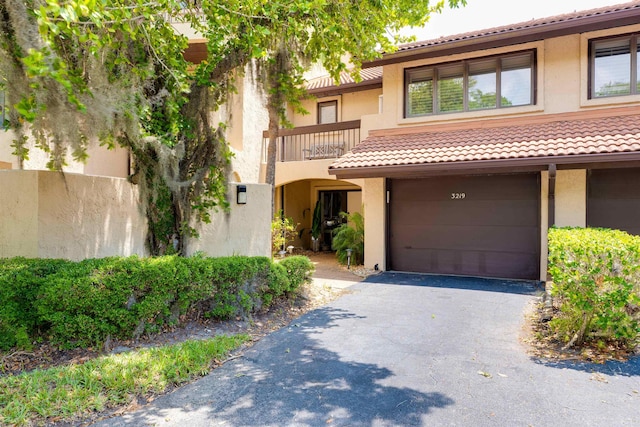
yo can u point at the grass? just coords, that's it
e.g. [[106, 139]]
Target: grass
[[70, 392]]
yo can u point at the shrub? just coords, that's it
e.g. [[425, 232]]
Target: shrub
[[83, 303], [283, 231], [286, 276], [20, 282], [350, 236], [596, 282]]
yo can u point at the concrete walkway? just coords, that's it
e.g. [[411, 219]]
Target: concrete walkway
[[404, 350]]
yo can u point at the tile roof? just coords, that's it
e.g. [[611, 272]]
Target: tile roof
[[533, 137], [506, 29], [367, 75]]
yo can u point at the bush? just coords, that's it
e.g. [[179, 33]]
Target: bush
[[287, 275], [20, 282], [596, 283], [283, 231], [83, 303], [350, 236]]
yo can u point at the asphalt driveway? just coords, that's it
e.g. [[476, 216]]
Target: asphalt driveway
[[404, 350]]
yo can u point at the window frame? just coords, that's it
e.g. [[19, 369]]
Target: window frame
[[633, 66], [433, 68], [334, 103]]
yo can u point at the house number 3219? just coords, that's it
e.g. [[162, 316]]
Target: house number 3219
[[458, 196]]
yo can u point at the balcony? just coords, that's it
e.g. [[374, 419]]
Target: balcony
[[315, 142]]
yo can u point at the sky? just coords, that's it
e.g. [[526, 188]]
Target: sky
[[481, 14]]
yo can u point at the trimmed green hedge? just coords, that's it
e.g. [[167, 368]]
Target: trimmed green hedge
[[596, 283], [83, 303]]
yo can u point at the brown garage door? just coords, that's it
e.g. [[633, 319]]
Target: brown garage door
[[613, 199], [472, 225]]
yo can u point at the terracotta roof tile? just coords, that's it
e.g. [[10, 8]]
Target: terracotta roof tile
[[544, 137], [325, 82], [567, 17]]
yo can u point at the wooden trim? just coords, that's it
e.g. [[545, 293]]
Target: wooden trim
[[514, 36], [329, 127]]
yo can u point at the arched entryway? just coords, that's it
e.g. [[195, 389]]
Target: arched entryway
[[298, 200]]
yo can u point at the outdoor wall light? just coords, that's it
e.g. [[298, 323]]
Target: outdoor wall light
[[241, 195]]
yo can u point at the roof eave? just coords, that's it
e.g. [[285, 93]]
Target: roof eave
[[524, 164], [345, 88], [618, 18]]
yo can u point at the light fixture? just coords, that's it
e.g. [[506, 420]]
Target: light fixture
[[241, 195], [349, 252]]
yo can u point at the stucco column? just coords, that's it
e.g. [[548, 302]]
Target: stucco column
[[374, 201]]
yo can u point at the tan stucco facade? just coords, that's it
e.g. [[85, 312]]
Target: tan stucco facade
[[562, 65], [54, 215], [244, 230], [51, 215]]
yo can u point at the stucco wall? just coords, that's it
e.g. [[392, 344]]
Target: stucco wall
[[245, 230], [298, 206], [101, 161], [88, 217], [374, 201], [105, 162], [6, 139], [571, 198], [51, 215], [18, 213], [351, 106]]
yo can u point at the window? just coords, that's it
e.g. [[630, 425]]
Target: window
[[327, 112], [614, 69], [488, 83]]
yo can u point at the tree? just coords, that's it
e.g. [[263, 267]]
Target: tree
[[78, 71]]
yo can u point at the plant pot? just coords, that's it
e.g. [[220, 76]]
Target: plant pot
[[315, 244]]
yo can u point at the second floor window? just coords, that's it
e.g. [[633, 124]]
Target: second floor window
[[488, 83], [327, 112], [614, 67]]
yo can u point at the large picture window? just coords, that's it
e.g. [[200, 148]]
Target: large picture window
[[479, 84], [614, 69]]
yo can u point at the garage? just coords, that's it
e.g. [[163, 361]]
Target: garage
[[487, 225], [613, 199]]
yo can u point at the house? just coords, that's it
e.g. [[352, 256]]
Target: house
[[464, 150]]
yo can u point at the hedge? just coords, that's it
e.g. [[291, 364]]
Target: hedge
[[596, 284], [85, 303]]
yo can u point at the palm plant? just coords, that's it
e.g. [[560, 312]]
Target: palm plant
[[350, 235]]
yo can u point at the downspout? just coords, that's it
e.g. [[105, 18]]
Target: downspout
[[552, 196]]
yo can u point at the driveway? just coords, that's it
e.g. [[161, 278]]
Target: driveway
[[404, 350]]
